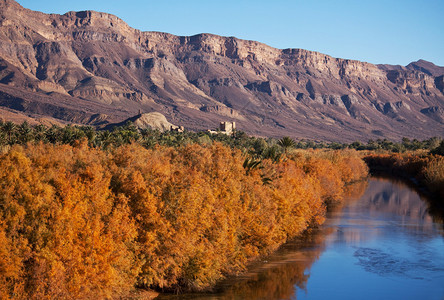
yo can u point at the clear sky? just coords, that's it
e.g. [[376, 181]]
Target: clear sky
[[376, 31]]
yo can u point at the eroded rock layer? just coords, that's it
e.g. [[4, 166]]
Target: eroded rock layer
[[80, 65]]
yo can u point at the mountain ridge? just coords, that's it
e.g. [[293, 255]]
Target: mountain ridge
[[197, 81]]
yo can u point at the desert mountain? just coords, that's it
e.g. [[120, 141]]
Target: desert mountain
[[92, 68]]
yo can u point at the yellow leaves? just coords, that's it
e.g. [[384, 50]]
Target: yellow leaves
[[80, 234], [85, 223], [11, 263], [434, 175]]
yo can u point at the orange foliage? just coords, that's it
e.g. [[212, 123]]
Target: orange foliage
[[77, 222], [426, 169], [72, 237], [333, 170]]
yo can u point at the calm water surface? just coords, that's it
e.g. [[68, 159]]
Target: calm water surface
[[381, 245]]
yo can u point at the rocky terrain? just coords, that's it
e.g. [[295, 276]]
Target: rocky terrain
[[92, 68]]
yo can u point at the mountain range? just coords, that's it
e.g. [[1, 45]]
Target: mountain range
[[92, 68]]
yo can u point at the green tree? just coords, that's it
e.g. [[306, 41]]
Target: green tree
[[9, 128], [439, 150], [40, 132], [286, 143], [25, 133]]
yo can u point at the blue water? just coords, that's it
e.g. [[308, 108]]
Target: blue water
[[382, 245]]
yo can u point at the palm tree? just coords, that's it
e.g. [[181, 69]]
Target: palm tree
[[40, 132], [53, 134], [2, 139], [251, 164], [286, 143], [105, 139], [9, 128], [272, 153], [26, 133], [90, 133]]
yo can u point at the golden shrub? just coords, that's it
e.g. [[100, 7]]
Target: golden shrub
[[77, 222]]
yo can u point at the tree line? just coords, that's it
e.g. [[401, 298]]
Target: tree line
[[11, 134]]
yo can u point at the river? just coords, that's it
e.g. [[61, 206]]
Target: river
[[382, 243]]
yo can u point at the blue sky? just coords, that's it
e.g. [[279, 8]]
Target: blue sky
[[376, 31]]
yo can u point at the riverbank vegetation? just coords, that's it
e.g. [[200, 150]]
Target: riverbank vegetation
[[427, 170], [82, 222], [94, 214]]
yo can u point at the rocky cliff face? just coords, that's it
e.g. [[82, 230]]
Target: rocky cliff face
[[88, 63]]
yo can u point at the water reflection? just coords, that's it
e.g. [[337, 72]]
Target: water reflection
[[277, 277], [383, 246], [386, 206], [435, 208]]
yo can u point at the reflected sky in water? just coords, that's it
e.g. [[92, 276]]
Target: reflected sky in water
[[381, 244]]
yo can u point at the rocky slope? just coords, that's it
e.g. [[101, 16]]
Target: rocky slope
[[92, 68]]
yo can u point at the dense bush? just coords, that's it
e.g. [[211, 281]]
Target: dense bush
[[64, 234], [428, 170], [77, 222]]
